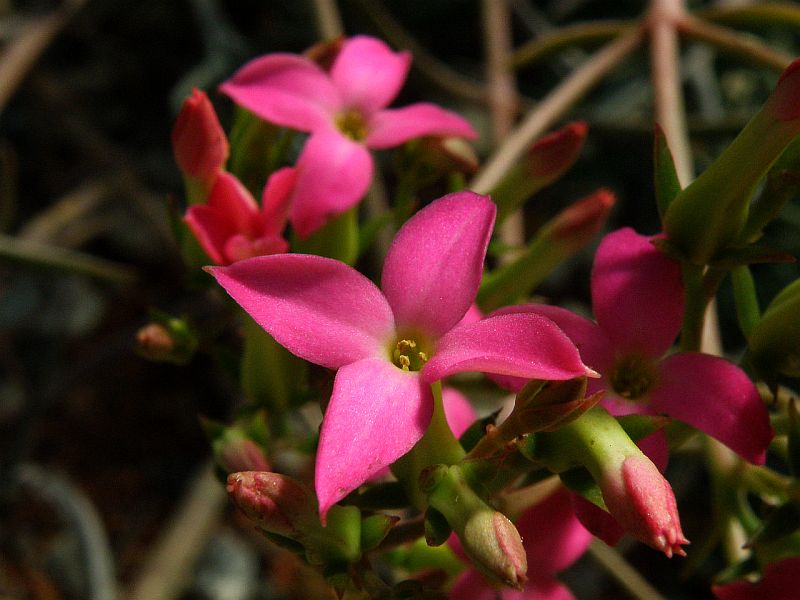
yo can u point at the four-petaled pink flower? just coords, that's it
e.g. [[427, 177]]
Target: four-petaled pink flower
[[637, 299], [390, 345], [553, 539], [345, 112], [231, 227]]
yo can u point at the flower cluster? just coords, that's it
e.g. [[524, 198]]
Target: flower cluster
[[593, 395]]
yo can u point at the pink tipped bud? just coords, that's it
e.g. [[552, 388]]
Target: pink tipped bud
[[242, 455], [641, 500], [785, 99], [275, 502], [552, 155], [495, 547], [198, 140], [154, 341], [576, 225]]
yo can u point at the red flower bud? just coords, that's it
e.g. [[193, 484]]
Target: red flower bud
[[277, 503], [198, 140], [552, 155], [642, 501]]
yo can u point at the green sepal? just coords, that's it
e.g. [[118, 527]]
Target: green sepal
[[640, 426], [774, 341], [781, 186], [475, 432], [667, 185], [782, 522], [419, 556], [339, 540], [744, 293], [437, 529], [374, 530], [581, 482], [737, 571], [337, 239], [283, 542]]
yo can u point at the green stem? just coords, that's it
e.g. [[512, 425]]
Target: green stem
[[437, 446], [694, 312]]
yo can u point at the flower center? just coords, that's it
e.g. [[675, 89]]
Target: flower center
[[352, 124], [633, 377], [408, 355]]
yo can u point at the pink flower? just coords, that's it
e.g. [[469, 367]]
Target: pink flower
[[389, 345], [345, 112], [637, 298], [231, 227], [553, 539], [198, 140], [780, 582]]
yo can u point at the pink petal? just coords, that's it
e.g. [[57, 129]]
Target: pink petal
[[637, 293], [592, 342], [240, 247], [780, 582], [523, 345], [230, 210], [334, 173], [715, 396], [368, 74], [553, 536], [376, 414], [435, 263], [392, 127], [472, 586], [211, 229], [602, 525], [285, 89], [318, 308], [276, 199], [457, 410]]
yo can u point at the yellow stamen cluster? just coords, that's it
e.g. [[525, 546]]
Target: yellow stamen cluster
[[633, 377], [407, 358], [352, 124]]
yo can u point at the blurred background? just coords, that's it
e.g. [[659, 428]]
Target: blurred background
[[104, 486]]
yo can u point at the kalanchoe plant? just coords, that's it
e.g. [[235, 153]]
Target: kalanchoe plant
[[593, 394]]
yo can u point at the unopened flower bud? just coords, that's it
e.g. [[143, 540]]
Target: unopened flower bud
[[242, 454], [487, 537], [167, 339], [546, 161], [198, 140], [275, 502], [450, 154], [642, 501], [551, 156], [576, 225], [154, 341], [633, 490]]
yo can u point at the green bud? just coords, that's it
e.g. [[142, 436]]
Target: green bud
[[710, 214], [488, 538]]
